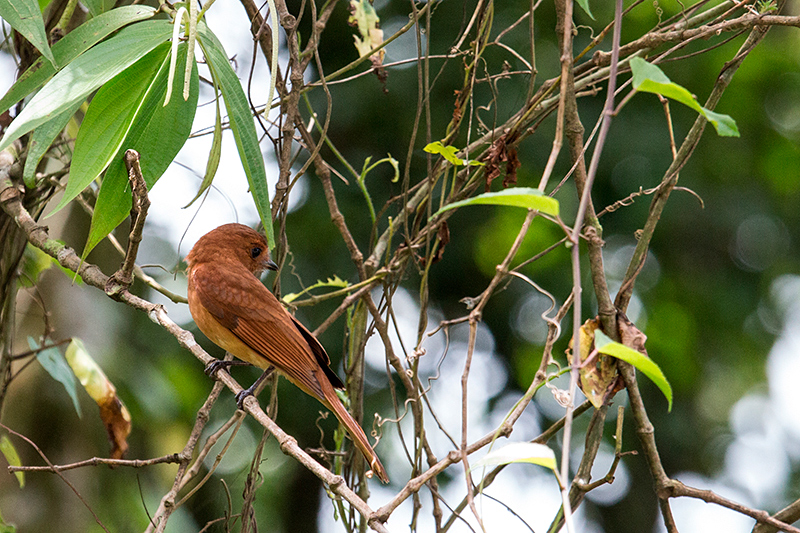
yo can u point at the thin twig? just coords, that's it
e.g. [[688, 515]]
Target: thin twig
[[96, 461]]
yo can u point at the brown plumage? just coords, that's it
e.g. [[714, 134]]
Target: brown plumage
[[237, 313]]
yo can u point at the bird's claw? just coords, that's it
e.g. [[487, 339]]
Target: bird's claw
[[218, 364], [242, 395]]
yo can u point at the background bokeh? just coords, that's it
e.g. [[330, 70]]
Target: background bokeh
[[719, 297]]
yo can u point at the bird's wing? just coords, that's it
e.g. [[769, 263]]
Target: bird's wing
[[238, 300]]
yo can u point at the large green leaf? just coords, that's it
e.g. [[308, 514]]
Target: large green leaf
[[42, 138], [651, 79], [158, 132], [643, 363], [515, 196], [108, 120], [213, 155], [71, 46], [242, 126], [96, 7], [86, 73], [25, 17]]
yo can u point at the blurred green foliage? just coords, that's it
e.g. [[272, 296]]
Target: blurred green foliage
[[698, 310]]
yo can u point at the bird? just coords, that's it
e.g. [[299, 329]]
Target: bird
[[239, 314]]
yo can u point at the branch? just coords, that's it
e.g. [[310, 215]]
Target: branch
[[678, 489], [96, 461], [670, 178], [167, 505], [789, 515], [92, 275], [123, 278], [655, 39]]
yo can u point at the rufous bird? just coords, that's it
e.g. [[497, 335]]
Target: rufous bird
[[239, 314]]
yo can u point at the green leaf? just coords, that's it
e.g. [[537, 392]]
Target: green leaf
[[25, 17], [585, 6], [449, 153], [158, 133], [97, 7], [640, 361], [651, 79], [520, 452], [86, 73], [516, 197], [108, 121], [34, 262], [213, 156], [71, 46], [724, 124], [42, 138], [12, 457], [55, 365], [5, 527], [335, 281], [242, 125]]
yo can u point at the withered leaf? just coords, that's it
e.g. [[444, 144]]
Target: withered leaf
[[599, 379]]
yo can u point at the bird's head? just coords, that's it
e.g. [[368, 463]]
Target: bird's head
[[233, 242]]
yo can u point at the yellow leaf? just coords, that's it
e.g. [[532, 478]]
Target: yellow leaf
[[370, 35]]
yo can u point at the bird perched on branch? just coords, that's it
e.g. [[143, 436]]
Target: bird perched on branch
[[237, 313]]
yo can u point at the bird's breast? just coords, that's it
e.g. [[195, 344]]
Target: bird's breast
[[221, 335]]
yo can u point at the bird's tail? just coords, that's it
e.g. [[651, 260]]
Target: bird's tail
[[355, 431]]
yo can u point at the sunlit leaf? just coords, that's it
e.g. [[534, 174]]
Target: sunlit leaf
[[158, 133], [12, 458], [643, 363], [520, 452], [335, 281], [55, 365], [649, 78], [88, 372], [71, 46], [515, 196], [86, 73], [25, 17], [113, 413], [364, 18], [449, 153], [242, 125], [108, 120]]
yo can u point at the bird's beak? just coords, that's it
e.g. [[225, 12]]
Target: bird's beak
[[269, 264]]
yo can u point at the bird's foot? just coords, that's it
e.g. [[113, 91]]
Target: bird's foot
[[242, 395], [220, 364]]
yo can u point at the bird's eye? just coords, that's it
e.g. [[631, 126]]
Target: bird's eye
[[255, 251]]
